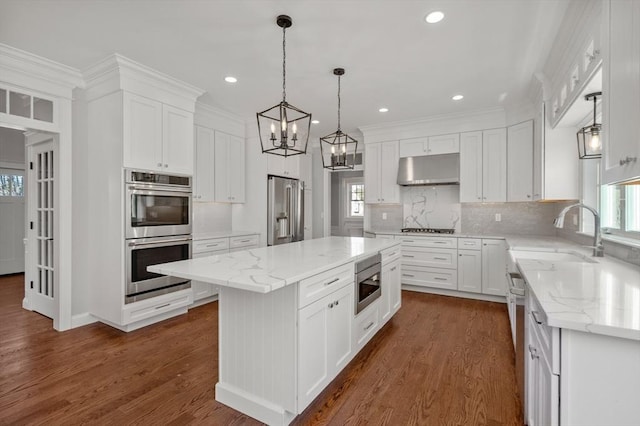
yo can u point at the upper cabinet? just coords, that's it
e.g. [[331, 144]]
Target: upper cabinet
[[519, 162], [483, 166], [381, 173], [203, 177], [229, 168], [621, 91], [431, 145], [288, 167]]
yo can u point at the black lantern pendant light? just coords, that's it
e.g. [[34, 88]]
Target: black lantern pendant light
[[589, 137], [283, 128], [338, 149]]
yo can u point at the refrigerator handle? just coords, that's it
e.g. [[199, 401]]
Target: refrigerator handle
[[290, 201], [300, 212]]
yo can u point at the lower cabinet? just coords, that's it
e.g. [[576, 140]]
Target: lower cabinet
[[391, 292], [470, 271], [325, 341], [494, 267]]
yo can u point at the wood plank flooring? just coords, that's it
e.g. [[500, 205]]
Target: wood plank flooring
[[440, 361]]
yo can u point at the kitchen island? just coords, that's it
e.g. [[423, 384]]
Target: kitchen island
[[287, 322]]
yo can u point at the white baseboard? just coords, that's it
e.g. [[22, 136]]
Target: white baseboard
[[79, 320], [455, 293]]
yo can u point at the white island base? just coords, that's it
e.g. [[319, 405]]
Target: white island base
[[287, 322]]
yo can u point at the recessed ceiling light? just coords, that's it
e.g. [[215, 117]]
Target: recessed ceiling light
[[230, 79], [457, 97], [315, 122], [383, 109], [434, 17]]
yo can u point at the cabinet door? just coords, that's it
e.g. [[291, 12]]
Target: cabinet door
[[339, 320], [142, 133], [621, 85], [395, 291], [519, 162], [236, 169], [177, 140], [413, 147], [385, 298], [494, 165], [292, 166], [313, 365], [494, 267], [444, 144], [221, 169], [538, 153], [203, 179], [372, 173], [471, 167], [388, 170], [470, 271], [284, 166]]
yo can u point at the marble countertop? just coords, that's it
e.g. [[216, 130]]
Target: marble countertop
[[222, 234], [267, 269]]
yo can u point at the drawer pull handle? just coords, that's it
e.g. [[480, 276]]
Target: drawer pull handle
[[407, 255], [466, 243], [213, 245], [332, 281], [440, 242], [244, 241], [408, 241], [162, 306], [440, 258], [330, 305], [439, 278], [369, 326], [535, 317], [408, 275], [337, 302], [392, 254], [394, 268], [533, 352]]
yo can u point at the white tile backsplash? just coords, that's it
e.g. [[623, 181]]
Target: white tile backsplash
[[211, 217]]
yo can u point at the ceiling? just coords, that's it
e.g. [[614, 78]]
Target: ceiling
[[486, 50]]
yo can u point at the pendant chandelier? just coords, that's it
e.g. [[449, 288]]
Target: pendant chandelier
[[283, 128], [338, 149], [589, 138]]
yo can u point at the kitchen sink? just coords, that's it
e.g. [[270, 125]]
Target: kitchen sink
[[554, 256]]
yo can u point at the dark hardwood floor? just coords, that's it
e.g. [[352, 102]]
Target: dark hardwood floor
[[439, 361]]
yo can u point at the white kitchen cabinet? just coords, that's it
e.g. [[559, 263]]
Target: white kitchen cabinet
[[229, 168], [431, 145], [203, 178], [520, 162], [483, 166], [555, 160], [494, 267], [288, 167], [470, 271], [381, 173], [391, 292], [325, 341], [157, 136], [621, 88]]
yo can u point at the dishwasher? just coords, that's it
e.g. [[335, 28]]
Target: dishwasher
[[515, 305]]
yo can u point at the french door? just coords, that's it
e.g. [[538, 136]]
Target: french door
[[40, 277]]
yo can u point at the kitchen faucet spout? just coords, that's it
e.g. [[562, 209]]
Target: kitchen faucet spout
[[598, 247]]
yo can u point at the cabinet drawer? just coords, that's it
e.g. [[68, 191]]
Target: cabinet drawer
[[391, 254], [366, 325], [437, 242], [470, 243], [435, 258], [430, 277], [213, 244], [158, 305], [246, 241], [315, 287], [548, 337]]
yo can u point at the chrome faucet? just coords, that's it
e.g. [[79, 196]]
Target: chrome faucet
[[598, 248]]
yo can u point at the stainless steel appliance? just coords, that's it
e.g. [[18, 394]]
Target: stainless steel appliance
[[157, 230], [285, 211], [515, 306], [429, 230], [143, 252], [157, 205], [441, 169], [368, 281]]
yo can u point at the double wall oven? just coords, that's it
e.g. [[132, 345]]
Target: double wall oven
[[157, 230]]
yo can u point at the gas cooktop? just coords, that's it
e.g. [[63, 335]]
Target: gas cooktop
[[429, 230]]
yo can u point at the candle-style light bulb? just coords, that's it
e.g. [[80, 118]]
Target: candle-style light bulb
[[333, 149], [594, 144], [273, 128], [344, 148], [295, 128]]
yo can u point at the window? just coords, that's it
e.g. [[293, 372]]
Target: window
[[356, 200], [11, 184]]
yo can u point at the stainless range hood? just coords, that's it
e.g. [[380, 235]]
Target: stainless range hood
[[442, 169]]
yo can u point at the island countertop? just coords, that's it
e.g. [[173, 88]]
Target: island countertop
[[267, 269]]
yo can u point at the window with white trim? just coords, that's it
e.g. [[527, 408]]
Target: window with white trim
[[355, 199], [11, 183]]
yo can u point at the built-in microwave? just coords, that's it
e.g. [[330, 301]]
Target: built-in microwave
[[157, 204]]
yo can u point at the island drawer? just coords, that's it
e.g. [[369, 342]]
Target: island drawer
[[391, 254], [548, 337], [437, 242], [245, 241], [435, 258], [470, 243], [315, 287], [366, 325], [212, 244]]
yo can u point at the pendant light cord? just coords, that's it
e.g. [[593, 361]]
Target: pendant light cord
[[338, 103], [284, 63], [595, 99]]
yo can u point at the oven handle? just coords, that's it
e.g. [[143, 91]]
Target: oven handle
[[148, 243], [158, 190]]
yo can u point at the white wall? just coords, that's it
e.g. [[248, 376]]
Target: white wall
[[11, 146]]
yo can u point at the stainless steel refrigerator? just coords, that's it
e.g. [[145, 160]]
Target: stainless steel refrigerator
[[285, 210]]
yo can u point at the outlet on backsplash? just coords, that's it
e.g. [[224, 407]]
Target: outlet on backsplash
[[498, 217], [575, 220], [384, 216]]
